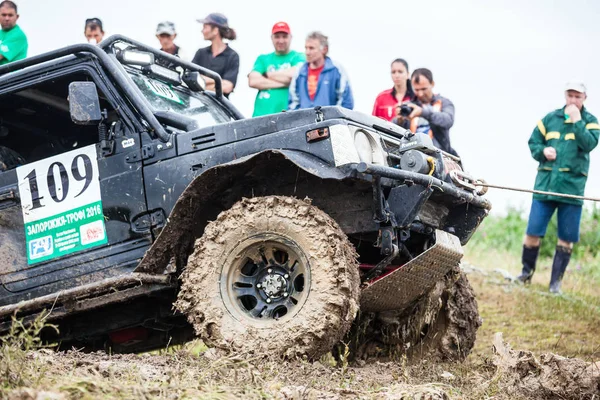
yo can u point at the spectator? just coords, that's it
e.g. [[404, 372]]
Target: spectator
[[273, 72], [13, 42], [320, 81], [93, 31], [561, 142], [166, 34], [218, 57], [387, 102], [432, 114]]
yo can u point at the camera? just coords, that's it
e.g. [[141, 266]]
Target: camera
[[405, 110]]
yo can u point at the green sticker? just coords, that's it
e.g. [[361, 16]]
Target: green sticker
[[162, 90], [66, 233]]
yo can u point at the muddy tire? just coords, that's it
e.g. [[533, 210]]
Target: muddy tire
[[442, 324], [272, 275]]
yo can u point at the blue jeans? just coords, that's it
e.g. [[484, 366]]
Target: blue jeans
[[569, 217]]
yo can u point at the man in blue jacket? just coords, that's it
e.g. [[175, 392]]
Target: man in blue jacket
[[319, 81]]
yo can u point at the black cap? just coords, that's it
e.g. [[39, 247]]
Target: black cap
[[216, 19], [93, 21]]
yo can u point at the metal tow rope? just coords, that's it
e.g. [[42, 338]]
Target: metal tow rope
[[570, 196], [479, 186]]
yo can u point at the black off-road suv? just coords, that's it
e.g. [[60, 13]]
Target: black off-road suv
[[142, 210]]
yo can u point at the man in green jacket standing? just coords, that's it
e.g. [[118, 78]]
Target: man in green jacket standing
[[13, 42], [561, 142]]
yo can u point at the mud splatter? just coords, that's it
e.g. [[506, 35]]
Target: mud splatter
[[548, 377], [443, 323], [332, 301]]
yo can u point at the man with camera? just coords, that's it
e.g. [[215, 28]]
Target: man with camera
[[429, 113]]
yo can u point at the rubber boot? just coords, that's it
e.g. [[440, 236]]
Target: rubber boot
[[562, 256], [529, 258]]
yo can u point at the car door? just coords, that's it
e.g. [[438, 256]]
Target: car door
[[79, 215]]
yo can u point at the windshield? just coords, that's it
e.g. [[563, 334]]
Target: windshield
[[164, 97]]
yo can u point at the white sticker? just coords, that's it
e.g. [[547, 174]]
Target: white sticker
[[41, 247], [92, 232], [128, 143], [60, 195]]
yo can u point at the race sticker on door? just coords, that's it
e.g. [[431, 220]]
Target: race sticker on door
[[62, 206]]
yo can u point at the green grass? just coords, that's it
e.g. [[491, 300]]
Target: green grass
[[15, 367], [507, 232], [529, 316]]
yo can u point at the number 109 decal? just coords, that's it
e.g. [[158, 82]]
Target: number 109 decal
[[62, 205]]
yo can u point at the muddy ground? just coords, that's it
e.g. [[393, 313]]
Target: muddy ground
[[506, 374], [493, 370]]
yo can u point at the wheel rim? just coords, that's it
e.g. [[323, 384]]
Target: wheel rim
[[265, 279]]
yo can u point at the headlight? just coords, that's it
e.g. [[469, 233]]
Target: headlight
[[369, 150], [353, 144], [363, 147]]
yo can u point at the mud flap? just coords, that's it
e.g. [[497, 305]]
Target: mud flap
[[398, 289]]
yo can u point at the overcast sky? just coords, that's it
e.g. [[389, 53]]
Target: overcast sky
[[502, 63]]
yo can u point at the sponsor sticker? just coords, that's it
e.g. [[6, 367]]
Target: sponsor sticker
[[61, 205], [162, 90]]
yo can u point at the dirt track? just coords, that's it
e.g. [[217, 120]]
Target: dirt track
[[507, 374]]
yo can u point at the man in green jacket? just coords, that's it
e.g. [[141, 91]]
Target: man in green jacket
[[561, 142], [13, 42]]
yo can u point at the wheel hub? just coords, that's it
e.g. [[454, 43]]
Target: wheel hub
[[269, 279], [274, 285]]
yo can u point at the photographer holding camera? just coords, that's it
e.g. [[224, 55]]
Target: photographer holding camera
[[429, 113], [386, 103]]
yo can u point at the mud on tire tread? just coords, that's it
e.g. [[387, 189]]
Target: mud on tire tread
[[332, 302]]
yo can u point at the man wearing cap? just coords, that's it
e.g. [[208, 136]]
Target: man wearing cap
[[273, 72], [13, 42], [218, 57], [166, 34], [561, 143], [93, 30]]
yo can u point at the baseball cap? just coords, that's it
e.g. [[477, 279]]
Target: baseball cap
[[166, 27], [281, 27], [577, 86], [93, 21], [216, 19]]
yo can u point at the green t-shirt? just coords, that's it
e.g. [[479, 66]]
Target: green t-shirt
[[272, 101], [13, 45]]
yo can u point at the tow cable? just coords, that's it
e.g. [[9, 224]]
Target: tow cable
[[480, 187], [569, 196]]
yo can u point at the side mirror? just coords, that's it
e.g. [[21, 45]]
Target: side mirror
[[84, 104]]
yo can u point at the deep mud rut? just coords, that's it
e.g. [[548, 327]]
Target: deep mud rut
[[442, 325], [506, 374]]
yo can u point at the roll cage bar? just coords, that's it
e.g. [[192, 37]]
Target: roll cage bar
[[101, 51]]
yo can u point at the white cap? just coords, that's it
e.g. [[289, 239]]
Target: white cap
[[577, 86], [166, 27]]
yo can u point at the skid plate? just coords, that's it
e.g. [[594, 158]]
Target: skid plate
[[415, 278]]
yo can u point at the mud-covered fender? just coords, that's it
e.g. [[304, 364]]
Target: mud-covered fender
[[190, 211]]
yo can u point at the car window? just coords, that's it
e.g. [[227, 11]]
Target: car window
[[35, 122], [163, 97]]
